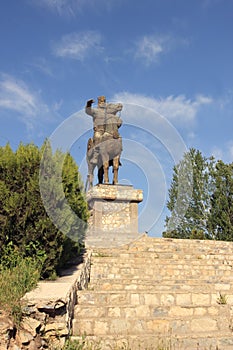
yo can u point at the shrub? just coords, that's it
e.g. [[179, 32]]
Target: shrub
[[24, 222], [18, 275]]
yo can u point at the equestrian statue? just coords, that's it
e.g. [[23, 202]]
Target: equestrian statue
[[104, 149]]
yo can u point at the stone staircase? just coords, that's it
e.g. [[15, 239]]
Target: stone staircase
[[159, 293]]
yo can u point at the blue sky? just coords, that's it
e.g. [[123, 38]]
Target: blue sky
[[169, 58]]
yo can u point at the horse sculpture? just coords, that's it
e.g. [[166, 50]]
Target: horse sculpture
[[106, 152]]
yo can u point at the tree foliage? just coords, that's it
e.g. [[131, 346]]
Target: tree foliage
[[209, 212], [24, 221], [220, 220]]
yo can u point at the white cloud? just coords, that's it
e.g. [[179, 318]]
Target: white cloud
[[178, 109], [72, 7], [217, 153], [42, 65], [16, 96], [210, 3], [224, 153], [225, 102], [62, 7], [150, 48], [231, 150], [78, 45]]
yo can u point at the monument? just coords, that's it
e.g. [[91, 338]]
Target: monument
[[104, 149], [113, 207]]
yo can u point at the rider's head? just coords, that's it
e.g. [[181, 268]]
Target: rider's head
[[101, 101]]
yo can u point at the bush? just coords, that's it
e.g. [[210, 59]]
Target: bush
[[24, 222], [18, 275]]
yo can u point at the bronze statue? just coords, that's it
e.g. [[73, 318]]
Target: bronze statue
[[104, 149]]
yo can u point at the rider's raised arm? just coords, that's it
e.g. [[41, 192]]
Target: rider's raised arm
[[88, 108]]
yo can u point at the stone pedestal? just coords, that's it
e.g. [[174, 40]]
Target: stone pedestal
[[114, 212]]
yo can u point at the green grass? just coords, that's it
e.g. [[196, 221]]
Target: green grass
[[162, 343], [222, 299], [85, 344], [17, 278]]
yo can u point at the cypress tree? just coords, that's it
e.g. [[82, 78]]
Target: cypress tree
[[192, 222], [220, 220]]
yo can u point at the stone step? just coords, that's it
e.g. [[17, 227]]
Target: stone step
[[100, 257], [220, 341], [163, 298], [110, 239], [161, 270], [172, 273], [148, 258], [222, 286], [186, 323], [158, 264], [150, 244], [163, 274]]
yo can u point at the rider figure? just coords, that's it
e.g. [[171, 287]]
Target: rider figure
[[104, 117], [105, 125], [99, 118]]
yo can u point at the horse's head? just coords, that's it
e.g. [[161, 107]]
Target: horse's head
[[113, 108]]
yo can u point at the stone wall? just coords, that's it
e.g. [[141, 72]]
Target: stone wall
[[47, 317], [180, 291]]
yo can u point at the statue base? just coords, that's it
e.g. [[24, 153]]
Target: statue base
[[113, 214]]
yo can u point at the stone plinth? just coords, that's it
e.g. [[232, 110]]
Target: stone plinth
[[114, 209]]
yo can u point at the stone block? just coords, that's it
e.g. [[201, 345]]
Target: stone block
[[151, 299], [157, 326], [159, 312], [119, 326], [129, 312], [201, 299], [222, 286], [118, 299], [100, 327], [135, 300], [81, 327], [180, 326], [114, 312], [200, 311], [83, 312], [204, 325], [142, 311], [224, 322], [179, 311], [213, 310], [167, 299], [183, 299]]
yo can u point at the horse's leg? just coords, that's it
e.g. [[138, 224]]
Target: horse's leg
[[100, 174], [90, 175], [116, 162], [89, 182], [106, 167]]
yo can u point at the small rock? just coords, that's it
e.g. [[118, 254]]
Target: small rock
[[29, 310], [24, 337], [31, 325], [33, 346], [57, 328]]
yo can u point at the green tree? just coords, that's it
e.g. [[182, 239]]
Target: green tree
[[191, 222], [24, 222], [220, 219]]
